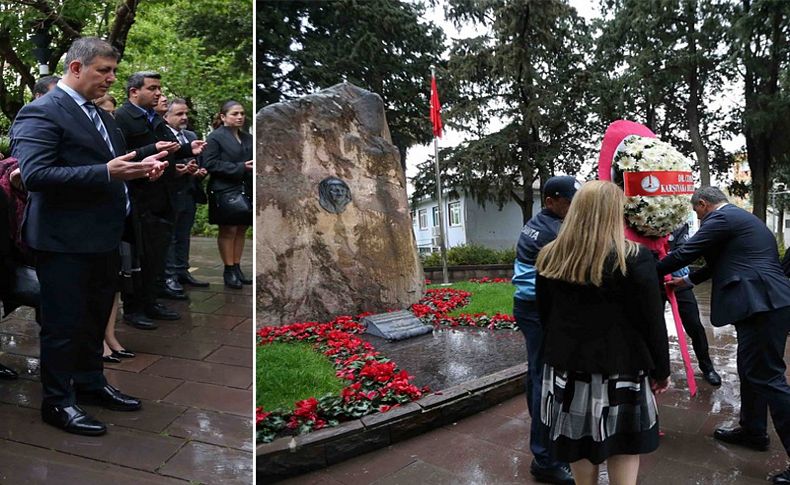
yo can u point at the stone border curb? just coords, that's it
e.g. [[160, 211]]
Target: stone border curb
[[293, 455]]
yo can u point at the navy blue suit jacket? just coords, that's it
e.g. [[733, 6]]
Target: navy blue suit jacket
[[73, 206], [741, 259]]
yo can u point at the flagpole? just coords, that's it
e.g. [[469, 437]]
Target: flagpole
[[442, 245]]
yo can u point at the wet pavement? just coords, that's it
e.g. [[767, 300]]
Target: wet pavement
[[447, 357], [194, 376], [492, 447]]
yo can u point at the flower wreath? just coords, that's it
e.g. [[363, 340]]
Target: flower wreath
[[657, 182]]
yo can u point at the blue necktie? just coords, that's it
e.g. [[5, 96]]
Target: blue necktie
[[99, 125], [103, 132]]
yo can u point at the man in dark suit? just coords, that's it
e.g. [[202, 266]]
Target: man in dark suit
[[73, 165], [146, 132], [187, 192], [751, 292], [689, 314]]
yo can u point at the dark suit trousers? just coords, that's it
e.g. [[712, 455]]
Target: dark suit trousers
[[77, 292], [155, 232], [178, 252], [689, 316], [761, 368]]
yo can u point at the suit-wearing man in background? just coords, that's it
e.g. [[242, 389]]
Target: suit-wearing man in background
[[44, 85], [187, 192], [73, 164], [146, 132], [539, 231], [689, 314], [751, 292]]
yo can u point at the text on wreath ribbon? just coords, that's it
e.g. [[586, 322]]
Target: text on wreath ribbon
[[652, 183]]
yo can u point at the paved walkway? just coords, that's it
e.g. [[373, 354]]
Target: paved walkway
[[193, 375], [492, 447]]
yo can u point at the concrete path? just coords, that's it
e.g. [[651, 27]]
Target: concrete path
[[194, 376]]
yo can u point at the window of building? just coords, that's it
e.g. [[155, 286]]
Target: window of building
[[454, 213], [436, 216], [422, 215]]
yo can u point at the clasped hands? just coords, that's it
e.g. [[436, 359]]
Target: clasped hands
[[173, 146], [122, 168]]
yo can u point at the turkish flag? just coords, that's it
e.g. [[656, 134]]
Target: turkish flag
[[436, 108]]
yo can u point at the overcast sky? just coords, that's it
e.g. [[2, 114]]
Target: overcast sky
[[586, 8]]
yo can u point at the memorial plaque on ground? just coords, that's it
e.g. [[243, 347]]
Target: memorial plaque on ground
[[395, 325]]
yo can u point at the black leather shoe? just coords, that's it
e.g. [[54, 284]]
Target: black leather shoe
[[231, 278], [111, 359], [740, 437], [712, 377], [110, 398], [171, 282], [242, 278], [188, 279], [72, 419], [161, 312], [123, 354], [782, 478], [170, 294], [138, 320], [560, 475], [7, 374]]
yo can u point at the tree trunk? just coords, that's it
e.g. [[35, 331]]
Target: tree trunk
[[692, 110], [529, 195]]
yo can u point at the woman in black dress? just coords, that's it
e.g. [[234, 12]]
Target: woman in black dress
[[605, 347], [228, 160]]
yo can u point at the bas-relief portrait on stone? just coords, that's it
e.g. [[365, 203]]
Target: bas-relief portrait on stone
[[333, 195]]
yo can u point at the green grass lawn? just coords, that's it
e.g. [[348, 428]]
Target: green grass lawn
[[488, 298], [291, 372]]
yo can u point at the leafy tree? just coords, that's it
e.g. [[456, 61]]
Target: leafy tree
[[170, 38], [380, 45], [64, 21], [528, 68], [759, 46], [661, 63]]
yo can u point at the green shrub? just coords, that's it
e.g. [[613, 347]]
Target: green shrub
[[468, 254]]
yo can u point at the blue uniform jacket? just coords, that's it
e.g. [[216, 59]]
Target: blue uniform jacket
[[537, 232]]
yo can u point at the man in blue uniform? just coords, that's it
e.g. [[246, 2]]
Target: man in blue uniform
[[539, 231]]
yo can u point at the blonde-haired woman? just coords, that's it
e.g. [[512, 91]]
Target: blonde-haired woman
[[605, 347]]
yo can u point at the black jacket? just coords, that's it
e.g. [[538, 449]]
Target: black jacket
[[188, 184], [142, 136], [741, 258], [224, 159], [616, 328], [73, 206]]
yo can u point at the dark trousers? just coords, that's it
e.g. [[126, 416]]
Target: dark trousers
[[526, 314], [77, 292], [152, 238], [689, 317], [178, 251], [761, 368]]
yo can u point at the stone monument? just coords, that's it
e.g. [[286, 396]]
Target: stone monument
[[334, 235]]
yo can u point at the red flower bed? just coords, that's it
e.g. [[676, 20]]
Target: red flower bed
[[486, 279], [375, 382], [434, 307]]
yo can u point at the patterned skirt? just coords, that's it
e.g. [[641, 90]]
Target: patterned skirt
[[594, 416]]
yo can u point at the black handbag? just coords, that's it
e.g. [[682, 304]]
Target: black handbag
[[232, 206]]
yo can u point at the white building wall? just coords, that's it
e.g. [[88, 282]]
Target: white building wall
[[495, 228]]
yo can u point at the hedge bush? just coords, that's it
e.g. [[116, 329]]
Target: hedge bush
[[469, 254]]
